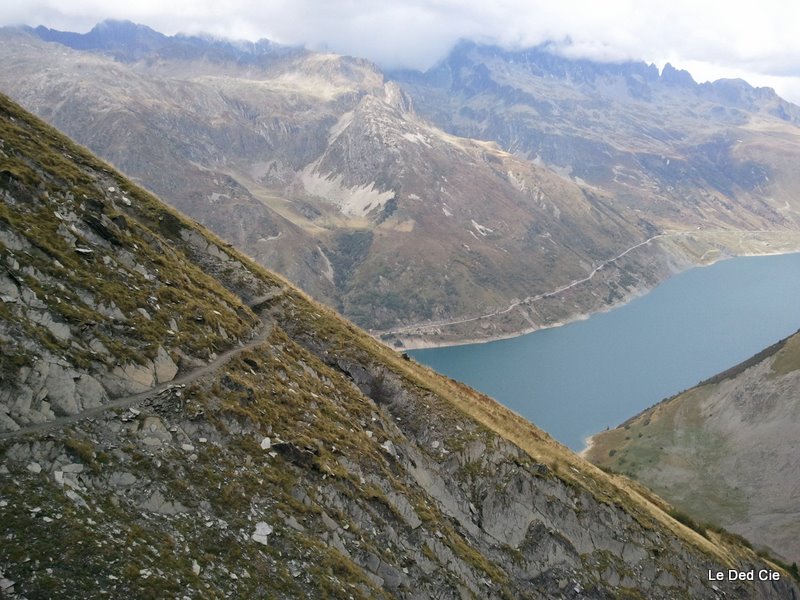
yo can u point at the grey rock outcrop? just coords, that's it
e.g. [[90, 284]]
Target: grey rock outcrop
[[48, 390], [164, 367]]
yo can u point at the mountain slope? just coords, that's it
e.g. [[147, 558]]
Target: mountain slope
[[624, 127], [298, 458], [320, 168], [724, 451], [374, 207]]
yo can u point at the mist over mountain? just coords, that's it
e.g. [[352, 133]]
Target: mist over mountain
[[129, 42], [575, 113], [497, 193]]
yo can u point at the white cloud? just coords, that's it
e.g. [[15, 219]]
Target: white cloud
[[755, 41]]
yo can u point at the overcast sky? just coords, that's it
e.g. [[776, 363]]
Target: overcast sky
[[757, 41]]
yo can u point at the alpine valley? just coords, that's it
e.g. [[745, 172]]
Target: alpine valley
[[497, 193], [177, 421]]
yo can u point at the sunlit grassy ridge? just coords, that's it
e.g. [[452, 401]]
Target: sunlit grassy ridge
[[311, 319]]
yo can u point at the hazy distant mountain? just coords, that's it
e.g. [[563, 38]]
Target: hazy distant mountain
[[129, 42], [381, 200], [176, 421], [725, 451], [587, 117]]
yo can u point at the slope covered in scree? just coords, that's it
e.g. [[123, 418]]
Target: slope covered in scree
[[178, 422]]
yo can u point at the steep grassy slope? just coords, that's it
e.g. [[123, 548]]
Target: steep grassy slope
[[724, 452], [305, 460], [94, 301], [318, 167]]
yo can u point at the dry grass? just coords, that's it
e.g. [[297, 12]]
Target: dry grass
[[788, 357], [573, 470], [642, 504]]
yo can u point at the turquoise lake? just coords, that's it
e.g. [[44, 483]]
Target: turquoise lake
[[578, 379]]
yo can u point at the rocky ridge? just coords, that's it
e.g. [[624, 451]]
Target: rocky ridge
[[314, 461]]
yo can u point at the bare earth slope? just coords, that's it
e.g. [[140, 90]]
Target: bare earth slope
[[298, 458], [381, 202], [726, 451]]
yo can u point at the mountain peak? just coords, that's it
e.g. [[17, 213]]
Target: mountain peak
[[111, 35], [545, 60], [122, 26], [677, 77]]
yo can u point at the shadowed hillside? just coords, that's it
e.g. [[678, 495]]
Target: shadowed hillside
[[724, 451]]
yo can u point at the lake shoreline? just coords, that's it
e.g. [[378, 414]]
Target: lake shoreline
[[416, 343], [581, 380], [410, 344]]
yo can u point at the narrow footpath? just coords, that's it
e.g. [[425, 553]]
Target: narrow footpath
[[125, 401]]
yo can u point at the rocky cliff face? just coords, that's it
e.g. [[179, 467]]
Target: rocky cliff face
[[723, 452], [178, 421], [496, 194]]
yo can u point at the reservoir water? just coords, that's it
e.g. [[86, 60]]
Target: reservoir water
[[576, 380]]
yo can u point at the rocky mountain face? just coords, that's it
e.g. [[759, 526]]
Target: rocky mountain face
[[624, 127], [592, 182], [725, 451], [178, 421]]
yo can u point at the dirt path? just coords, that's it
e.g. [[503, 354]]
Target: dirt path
[[125, 401]]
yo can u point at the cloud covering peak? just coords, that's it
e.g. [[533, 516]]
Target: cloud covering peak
[[755, 41]]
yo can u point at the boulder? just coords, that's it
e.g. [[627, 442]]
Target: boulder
[[164, 366], [153, 427], [403, 508], [132, 378], [89, 392], [77, 499], [58, 386], [8, 289], [59, 330], [262, 532], [7, 423], [158, 504]]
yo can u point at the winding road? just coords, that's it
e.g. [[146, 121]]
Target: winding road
[[571, 284], [529, 299]]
